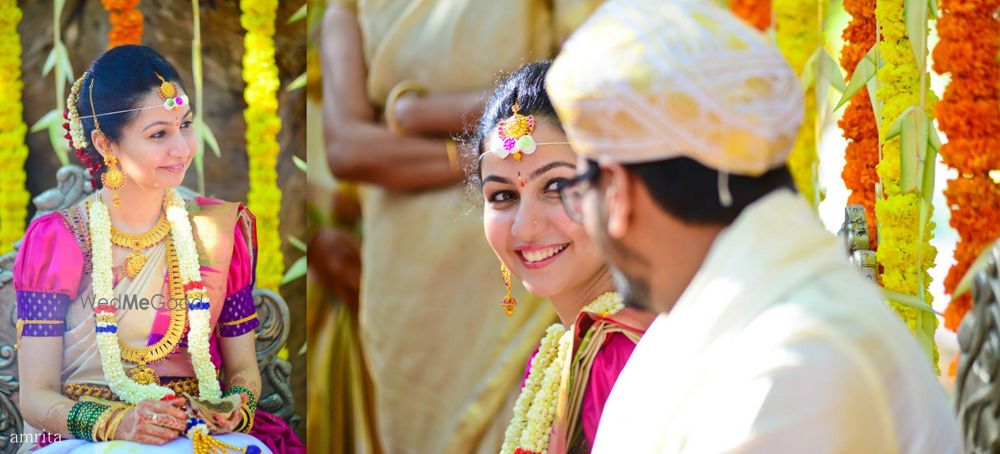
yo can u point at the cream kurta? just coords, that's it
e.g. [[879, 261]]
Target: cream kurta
[[778, 345], [444, 359]]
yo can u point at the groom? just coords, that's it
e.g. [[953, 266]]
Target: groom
[[768, 340]]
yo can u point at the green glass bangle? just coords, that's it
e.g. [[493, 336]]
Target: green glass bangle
[[82, 417], [251, 400]]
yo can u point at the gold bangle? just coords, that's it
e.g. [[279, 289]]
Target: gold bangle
[[247, 422], [397, 92], [452, 150], [116, 421], [97, 431]]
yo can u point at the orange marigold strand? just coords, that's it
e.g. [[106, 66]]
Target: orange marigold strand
[[754, 12]]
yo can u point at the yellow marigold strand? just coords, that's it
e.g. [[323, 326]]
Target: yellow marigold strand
[[13, 151], [797, 28], [262, 125], [899, 213]]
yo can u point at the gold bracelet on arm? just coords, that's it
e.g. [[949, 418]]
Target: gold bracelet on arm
[[397, 92]]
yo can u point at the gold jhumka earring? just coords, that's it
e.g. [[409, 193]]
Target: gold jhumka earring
[[508, 302], [113, 179]]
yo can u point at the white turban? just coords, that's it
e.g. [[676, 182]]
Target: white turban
[[648, 80]]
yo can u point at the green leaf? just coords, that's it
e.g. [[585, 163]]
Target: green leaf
[[932, 7], [913, 148], [58, 142], [876, 104], [46, 120], [300, 164], [50, 61], [64, 64], [965, 284], [927, 182], [298, 83], [933, 138], [199, 166], [926, 196], [297, 270], [897, 126], [915, 12], [906, 300], [210, 140], [864, 72], [302, 350], [58, 5], [297, 243], [298, 15], [829, 69], [808, 76]]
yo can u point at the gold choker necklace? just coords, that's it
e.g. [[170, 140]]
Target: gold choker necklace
[[138, 242]]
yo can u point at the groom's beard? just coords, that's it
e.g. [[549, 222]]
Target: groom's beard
[[634, 290]]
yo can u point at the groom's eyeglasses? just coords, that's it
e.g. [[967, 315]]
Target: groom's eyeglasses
[[572, 191]]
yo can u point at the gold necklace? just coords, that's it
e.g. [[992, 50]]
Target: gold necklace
[[141, 356], [137, 242]]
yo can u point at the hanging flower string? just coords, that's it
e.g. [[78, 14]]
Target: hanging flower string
[[905, 267], [126, 22], [535, 408], [261, 75], [969, 114], [858, 122], [105, 314], [797, 28], [106, 321], [13, 151], [754, 12]]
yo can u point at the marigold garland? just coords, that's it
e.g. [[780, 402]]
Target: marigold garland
[[969, 114], [797, 27], [905, 260], [13, 151], [261, 75], [858, 122], [754, 12], [126, 22]]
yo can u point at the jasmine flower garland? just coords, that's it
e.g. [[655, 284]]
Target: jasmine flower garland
[[198, 304], [535, 407]]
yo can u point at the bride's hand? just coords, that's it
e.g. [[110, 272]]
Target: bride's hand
[[221, 423], [153, 422]]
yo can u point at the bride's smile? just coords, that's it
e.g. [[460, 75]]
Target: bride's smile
[[535, 256]]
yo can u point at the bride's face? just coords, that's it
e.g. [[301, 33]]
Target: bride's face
[[157, 146], [525, 222]]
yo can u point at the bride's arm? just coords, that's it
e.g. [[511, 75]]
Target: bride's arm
[[42, 403], [239, 364]]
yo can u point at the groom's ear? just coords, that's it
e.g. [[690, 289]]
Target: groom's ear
[[618, 198]]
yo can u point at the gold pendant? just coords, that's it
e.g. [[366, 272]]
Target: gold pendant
[[143, 375], [134, 263]]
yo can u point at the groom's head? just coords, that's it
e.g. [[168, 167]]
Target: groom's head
[[682, 116]]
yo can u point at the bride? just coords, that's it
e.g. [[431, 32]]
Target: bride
[[523, 162], [135, 313]]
